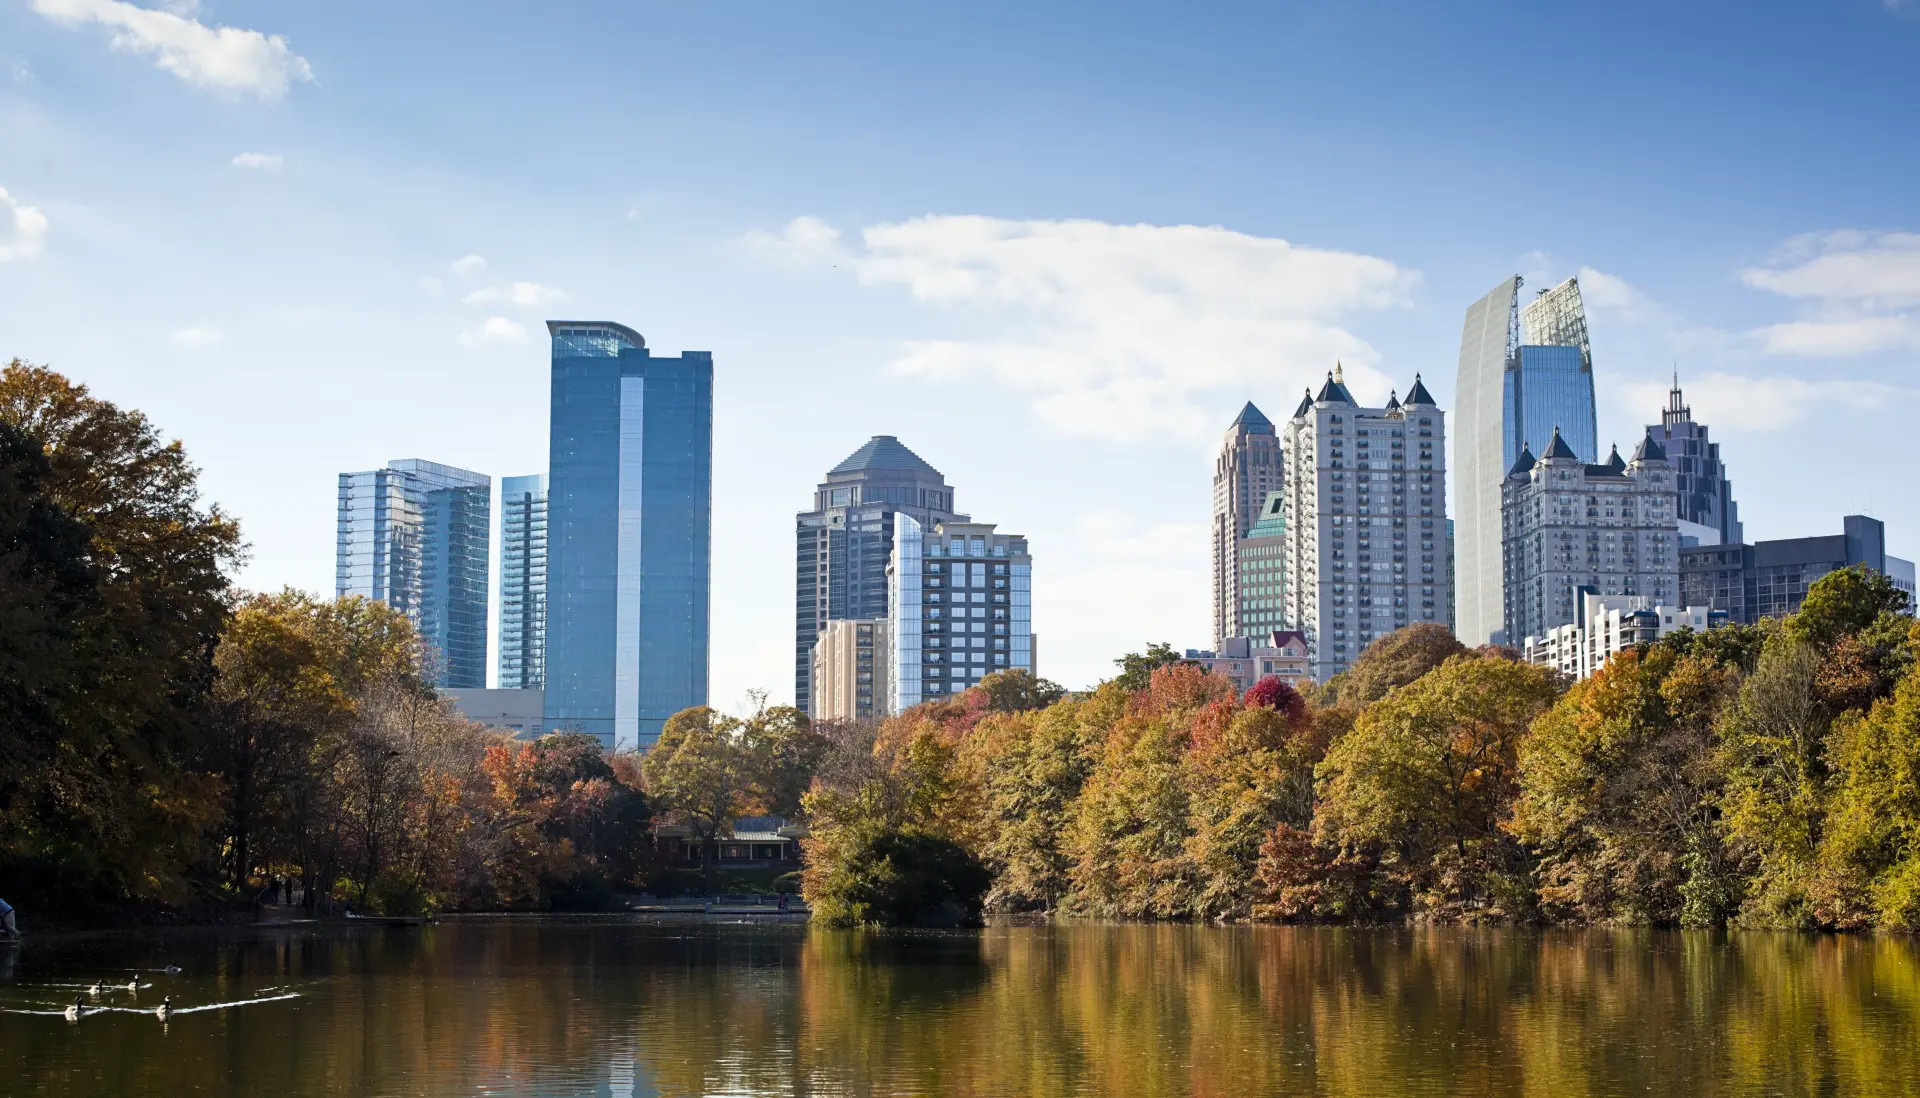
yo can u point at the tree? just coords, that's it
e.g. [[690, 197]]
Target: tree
[[1394, 660], [110, 802], [1870, 856], [1137, 668], [1426, 777], [699, 775], [783, 752], [1018, 689], [1774, 753], [1844, 602]]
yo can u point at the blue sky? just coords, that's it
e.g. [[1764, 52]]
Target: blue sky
[[1052, 247]]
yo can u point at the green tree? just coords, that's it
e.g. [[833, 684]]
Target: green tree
[[1393, 660], [1137, 668], [1426, 777], [699, 776], [1774, 754], [1018, 689], [1845, 602], [1870, 856], [783, 751]]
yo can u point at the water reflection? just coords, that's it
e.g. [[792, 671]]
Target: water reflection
[[560, 1007]]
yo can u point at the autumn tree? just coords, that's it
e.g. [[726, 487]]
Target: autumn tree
[[699, 775], [1137, 668], [1395, 659]]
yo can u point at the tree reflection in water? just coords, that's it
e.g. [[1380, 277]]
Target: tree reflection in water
[[564, 1007]]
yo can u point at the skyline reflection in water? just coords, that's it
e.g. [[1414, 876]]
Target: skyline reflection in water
[[587, 1006]]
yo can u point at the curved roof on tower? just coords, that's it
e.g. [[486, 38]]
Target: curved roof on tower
[[883, 452]]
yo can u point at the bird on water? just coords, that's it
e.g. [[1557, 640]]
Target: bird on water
[[164, 1009], [73, 1012]]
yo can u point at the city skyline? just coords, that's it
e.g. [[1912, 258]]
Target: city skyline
[[221, 255]]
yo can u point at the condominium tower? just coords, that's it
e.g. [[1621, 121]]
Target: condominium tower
[[415, 535], [1247, 469], [1574, 528], [843, 545], [1524, 374], [629, 518], [1366, 520], [1261, 572], [960, 607], [523, 582], [850, 671], [1708, 515]]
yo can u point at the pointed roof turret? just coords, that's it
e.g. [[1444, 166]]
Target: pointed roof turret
[[1334, 391], [1615, 462], [1419, 395], [1306, 405], [1649, 450], [882, 452], [1558, 448], [1393, 400], [1252, 419], [1522, 464]]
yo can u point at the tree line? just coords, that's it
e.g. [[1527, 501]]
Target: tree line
[[1763, 776]]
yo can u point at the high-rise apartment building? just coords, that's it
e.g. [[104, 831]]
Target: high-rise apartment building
[[1366, 520], [1524, 374], [1247, 470], [523, 582], [415, 535], [850, 671], [629, 522], [1708, 514], [843, 545], [1261, 560], [960, 607], [1769, 579], [1606, 624], [1573, 528]]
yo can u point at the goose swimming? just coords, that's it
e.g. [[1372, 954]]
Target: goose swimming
[[73, 1012], [164, 1009], [95, 989]]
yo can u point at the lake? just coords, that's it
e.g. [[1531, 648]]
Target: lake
[[606, 1006]]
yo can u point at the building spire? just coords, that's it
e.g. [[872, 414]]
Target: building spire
[[1338, 377], [1676, 411]]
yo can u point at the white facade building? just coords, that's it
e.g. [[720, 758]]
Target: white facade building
[[1366, 520], [1281, 654], [959, 607], [1609, 624]]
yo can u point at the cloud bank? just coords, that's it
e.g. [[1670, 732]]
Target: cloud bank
[[23, 229], [1861, 291], [228, 59]]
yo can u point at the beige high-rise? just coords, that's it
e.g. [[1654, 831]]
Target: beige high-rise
[[850, 670], [1247, 469]]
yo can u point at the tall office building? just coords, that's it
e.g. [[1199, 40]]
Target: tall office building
[[1524, 374], [1708, 514], [1769, 579], [1247, 469], [1366, 516], [960, 607], [523, 582], [415, 535], [1573, 528], [1260, 561], [629, 522], [843, 545]]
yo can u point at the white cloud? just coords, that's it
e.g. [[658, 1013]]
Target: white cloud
[[1735, 403], [1861, 290], [432, 286], [266, 162], [530, 295], [495, 331], [1119, 331], [23, 229], [467, 266], [200, 335], [224, 58]]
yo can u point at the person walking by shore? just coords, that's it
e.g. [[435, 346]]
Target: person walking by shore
[[7, 921]]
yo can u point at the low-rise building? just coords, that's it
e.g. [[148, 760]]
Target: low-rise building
[[1769, 579], [1246, 660], [1612, 623]]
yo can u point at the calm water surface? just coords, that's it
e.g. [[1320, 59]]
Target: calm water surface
[[604, 1007]]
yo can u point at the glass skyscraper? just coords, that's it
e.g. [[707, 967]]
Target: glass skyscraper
[[414, 535], [629, 518], [523, 582], [1523, 373]]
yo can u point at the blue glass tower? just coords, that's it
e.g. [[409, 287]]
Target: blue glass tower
[[629, 518], [1549, 389]]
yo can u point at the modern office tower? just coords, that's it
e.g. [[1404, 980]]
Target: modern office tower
[[1769, 579], [1260, 562], [959, 607], [523, 582], [629, 521], [844, 543], [850, 671], [1524, 374], [1573, 528], [1605, 624], [415, 535], [1708, 515], [1901, 573], [1366, 520], [1247, 469]]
